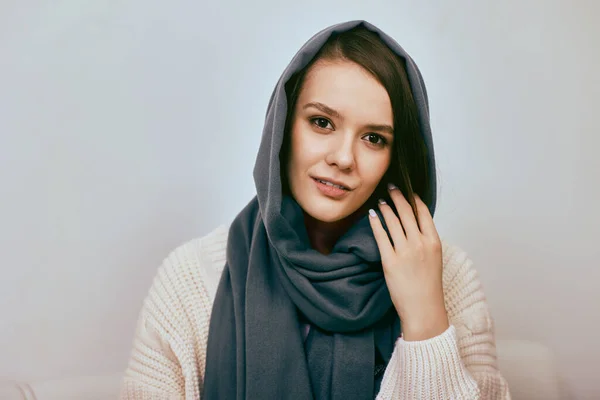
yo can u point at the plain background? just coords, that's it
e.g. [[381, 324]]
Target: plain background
[[128, 127]]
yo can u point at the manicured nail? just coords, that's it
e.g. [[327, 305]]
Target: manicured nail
[[382, 201], [372, 213], [391, 186]]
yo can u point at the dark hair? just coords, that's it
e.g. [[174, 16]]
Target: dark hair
[[409, 166]]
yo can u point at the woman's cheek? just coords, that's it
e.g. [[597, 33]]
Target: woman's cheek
[[303, 137], [375, 166]]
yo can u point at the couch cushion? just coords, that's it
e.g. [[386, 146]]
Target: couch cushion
[[10, 390], [105, 387]]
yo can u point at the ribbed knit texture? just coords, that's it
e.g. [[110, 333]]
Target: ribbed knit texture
[[169, 349]]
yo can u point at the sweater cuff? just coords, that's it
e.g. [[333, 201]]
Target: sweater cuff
[[428, 369]]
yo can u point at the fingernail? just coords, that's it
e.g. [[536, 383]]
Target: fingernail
[[382, 201], [391, 186], [372, 213]]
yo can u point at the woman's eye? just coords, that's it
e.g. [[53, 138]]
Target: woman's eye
[[376, 139], [321, 123]]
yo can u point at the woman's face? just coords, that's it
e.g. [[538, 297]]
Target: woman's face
[[341, 143]]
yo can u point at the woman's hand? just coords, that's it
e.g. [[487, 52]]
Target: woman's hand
[[412, 266]]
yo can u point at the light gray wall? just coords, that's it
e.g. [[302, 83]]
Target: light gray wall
[[128, 127]]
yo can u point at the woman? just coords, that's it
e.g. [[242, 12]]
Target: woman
[[332, 282]]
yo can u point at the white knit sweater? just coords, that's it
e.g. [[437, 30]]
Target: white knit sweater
[[169, 348]]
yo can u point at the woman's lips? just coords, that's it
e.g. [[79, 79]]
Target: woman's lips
[[329, 190]]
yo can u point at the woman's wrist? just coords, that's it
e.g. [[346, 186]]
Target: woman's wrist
[[428, 324]]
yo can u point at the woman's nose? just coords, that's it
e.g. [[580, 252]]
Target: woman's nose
[[341, 153]]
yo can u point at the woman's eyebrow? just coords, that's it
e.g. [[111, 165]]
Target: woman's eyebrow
[[380, 128], [323, 108]]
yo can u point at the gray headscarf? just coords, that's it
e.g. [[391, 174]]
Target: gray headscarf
[[273, 277]]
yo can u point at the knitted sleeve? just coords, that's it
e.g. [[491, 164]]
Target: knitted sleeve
[[460, 363], [168, 349]]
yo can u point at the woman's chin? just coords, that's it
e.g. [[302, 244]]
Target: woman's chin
[[328, 212]]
